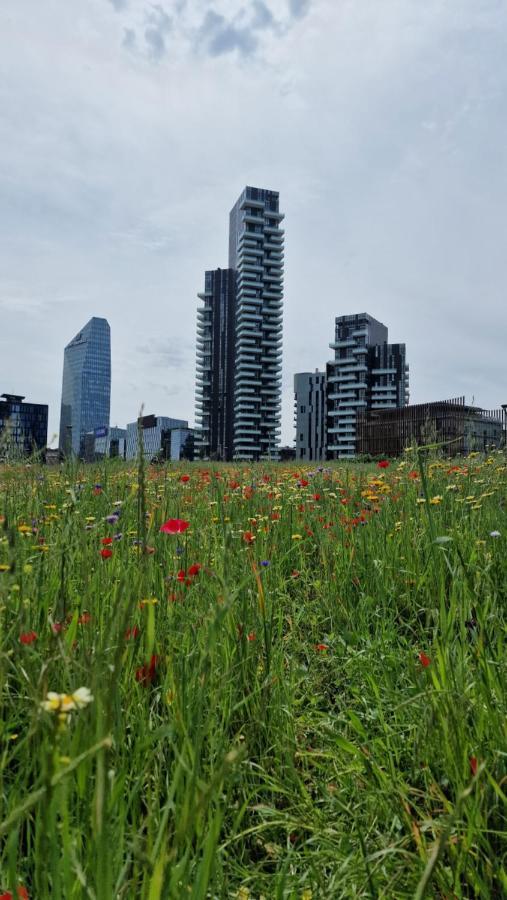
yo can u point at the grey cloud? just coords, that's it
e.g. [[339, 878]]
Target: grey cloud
[[159, 24], [263, 17], [119, 4], [171, 353], [222, 37], [299, 8], [156, 42], [129, 38]]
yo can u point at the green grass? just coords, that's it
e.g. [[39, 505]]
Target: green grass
[[256, 730]]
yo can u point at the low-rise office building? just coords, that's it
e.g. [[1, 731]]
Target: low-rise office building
[[455, 426], [162, 438], [23, 427]]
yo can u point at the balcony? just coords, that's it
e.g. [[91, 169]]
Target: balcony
[[337, 345]]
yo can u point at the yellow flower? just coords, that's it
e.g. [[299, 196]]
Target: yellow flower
[[24, 529], [151, 601], [297, 537], [4, 567], [436, 500], [66, 703]]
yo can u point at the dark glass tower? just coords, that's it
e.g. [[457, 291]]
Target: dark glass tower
[[215, 365], [86, 385], [23, 426]]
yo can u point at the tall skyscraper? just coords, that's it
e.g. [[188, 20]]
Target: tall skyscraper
[[366, 373], [256, 253], [310, 415], [86, 385], [239, 341], [216, 340]]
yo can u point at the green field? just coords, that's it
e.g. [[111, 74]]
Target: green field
[[300, 695]]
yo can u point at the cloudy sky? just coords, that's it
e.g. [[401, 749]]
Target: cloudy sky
[[129, 128]]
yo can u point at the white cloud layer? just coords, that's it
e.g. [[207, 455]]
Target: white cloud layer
[[129, 128]]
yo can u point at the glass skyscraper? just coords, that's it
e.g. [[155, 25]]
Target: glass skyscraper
[[239, 344], [23, 426], [86, 385], [215, 365]]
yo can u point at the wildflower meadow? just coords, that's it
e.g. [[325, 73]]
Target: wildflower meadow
[[232, 681]]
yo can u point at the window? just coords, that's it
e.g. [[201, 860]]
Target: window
[[302, 409]]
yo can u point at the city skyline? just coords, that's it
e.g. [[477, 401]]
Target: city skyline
[[381, 127]]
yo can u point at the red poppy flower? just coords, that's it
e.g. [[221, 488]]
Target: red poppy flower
[[316, 496], [473, 765], [304, 483], [195, 569], [185, 478], [107, 540], [321, 647], [247, 492], [383, 464], [105, 554], [84, 619], [248, 537], [57, 627], [181, 575], [233, 485], [174, 526], [251, 636], [131, 633], [294, 573], [424, 660], [27, 637], [414, 475], [21, 891], [146, 674]]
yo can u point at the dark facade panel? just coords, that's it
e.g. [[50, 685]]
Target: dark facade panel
[[23, 426]]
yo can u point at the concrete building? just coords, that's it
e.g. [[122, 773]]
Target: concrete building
[[256, 253], [158, 441], [23, 427], [86, 385], [240, 336], [310, 415], [367, 372]]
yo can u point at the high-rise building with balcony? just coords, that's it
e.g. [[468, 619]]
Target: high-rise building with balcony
[[239, 337], [366, 373], [310, 415], [86, 385], [216, 341], [256, 254]]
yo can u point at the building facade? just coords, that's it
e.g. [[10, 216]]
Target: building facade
[[157, 437], [105, 443], [367, 372], [216, 340], [256, 244], [86, 385], [248, 316], [456, 427], [310, 415], [23, 427]]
